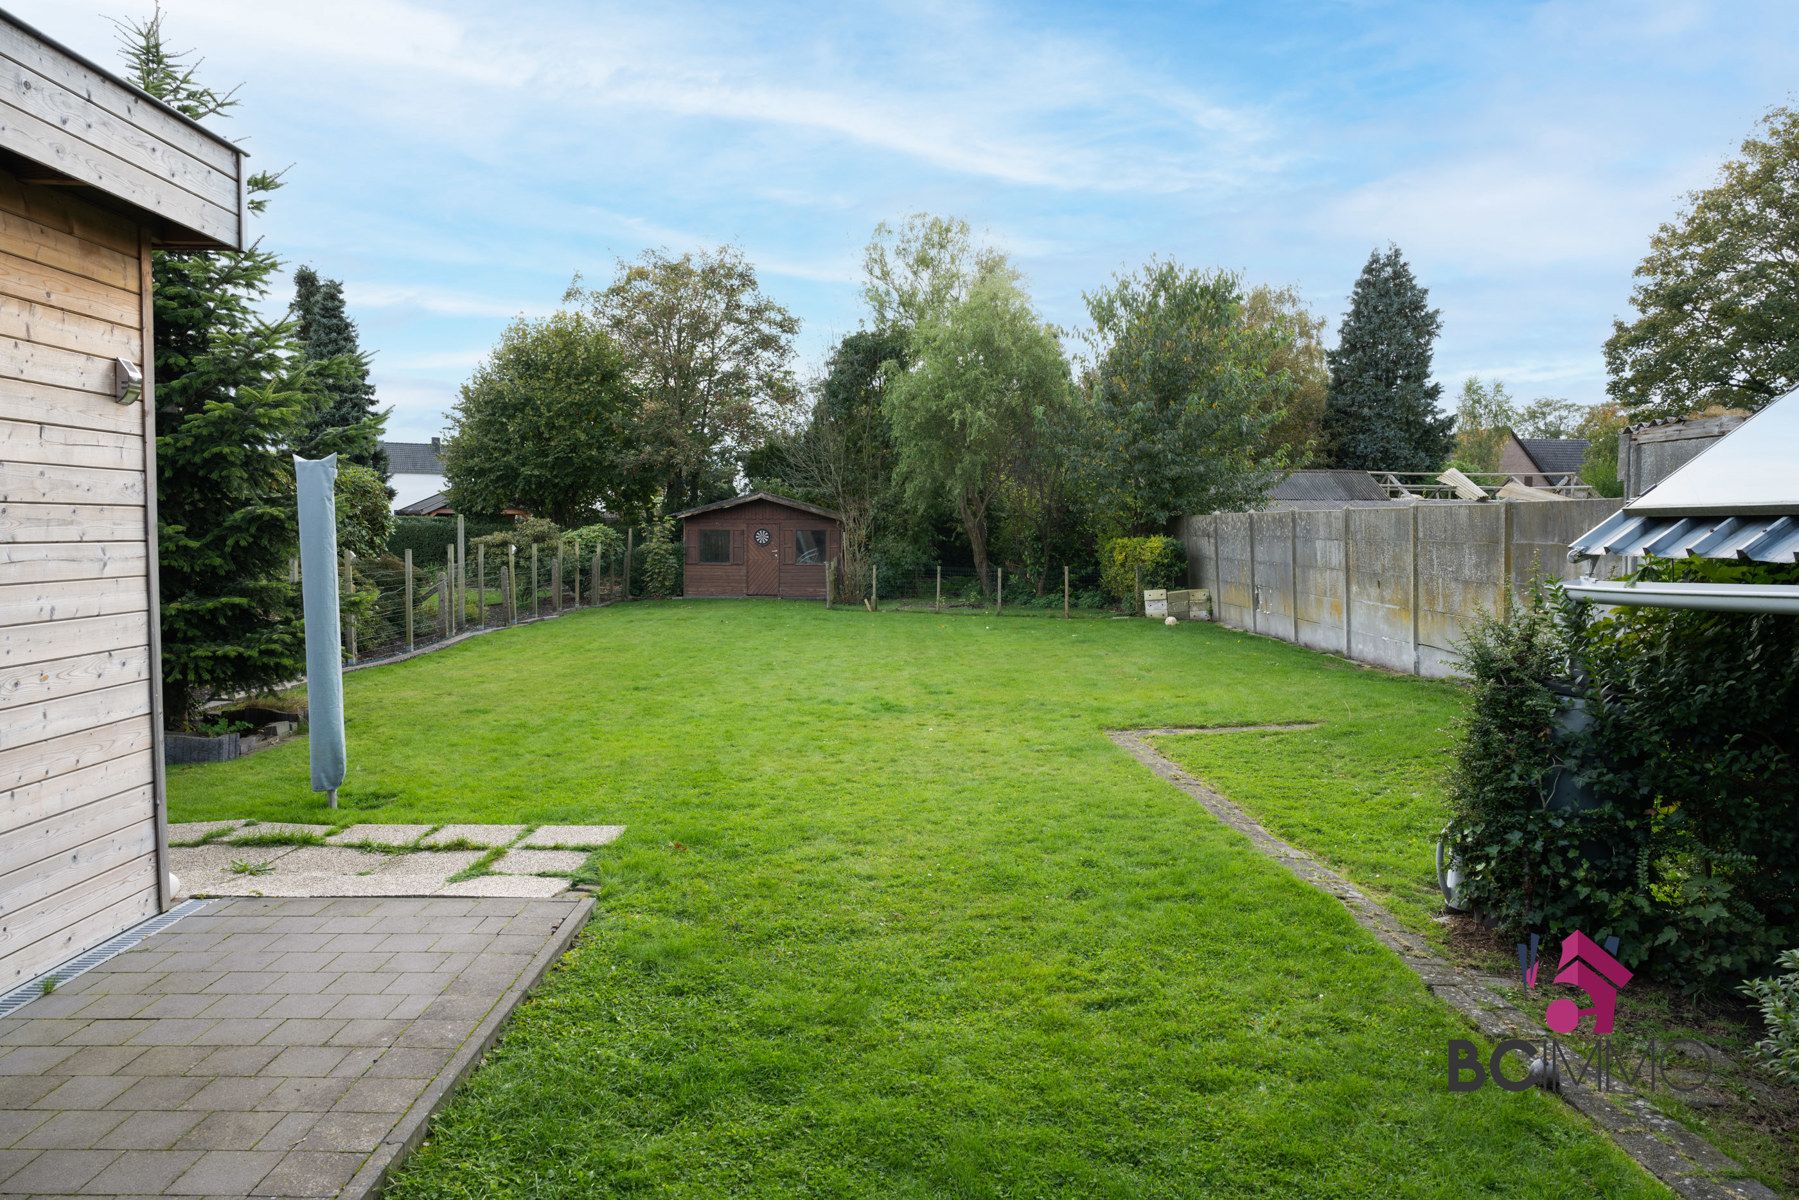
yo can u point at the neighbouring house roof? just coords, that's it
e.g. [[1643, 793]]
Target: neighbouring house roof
[[1738, 499], [437, 502], [414, 458], [1335, 486], [734, 501], [1556, 456]]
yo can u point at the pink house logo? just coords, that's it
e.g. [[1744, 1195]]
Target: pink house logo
[[1592, 968]]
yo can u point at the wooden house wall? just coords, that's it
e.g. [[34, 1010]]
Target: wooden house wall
[[797, 581], [78, 769], [58, 111]]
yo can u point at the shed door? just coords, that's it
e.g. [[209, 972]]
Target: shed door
[[762, 563]]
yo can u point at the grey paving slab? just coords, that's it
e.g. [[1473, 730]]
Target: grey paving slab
[[192, 833], [535, 886], [261, 829], [486, 836], [247, 1079], [205, 870], [378, 835], [573, 837], [540, 862]]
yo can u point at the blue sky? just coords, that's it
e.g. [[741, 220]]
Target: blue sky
[[455, 164]]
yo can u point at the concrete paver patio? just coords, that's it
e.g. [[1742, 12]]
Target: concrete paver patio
[[265, 1047]]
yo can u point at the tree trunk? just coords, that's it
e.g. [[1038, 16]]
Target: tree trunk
[[974, 524]]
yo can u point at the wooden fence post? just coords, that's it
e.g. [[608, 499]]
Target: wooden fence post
[[630, 534], [574, 564], [593, 576], [939, 587], [999, 593], [1064, 591], [534, 608], [461, 573], [830, 567], [449, 597], [556, 578], [443, 600], [350, 590], [480, 586], [409, 601], [874, 586], [510, 599], [1137, 583]]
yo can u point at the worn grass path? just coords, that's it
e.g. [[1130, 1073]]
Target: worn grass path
[[894, 918]]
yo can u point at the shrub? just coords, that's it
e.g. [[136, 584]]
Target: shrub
[[661, 556], [426, 537], [1684, 836], [1778, 998], [1163, 561]]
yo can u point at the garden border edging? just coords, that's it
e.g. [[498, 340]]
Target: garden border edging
[[1679, 1158]]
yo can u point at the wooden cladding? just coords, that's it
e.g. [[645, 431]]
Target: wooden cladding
[[77, 746], [81, 123]]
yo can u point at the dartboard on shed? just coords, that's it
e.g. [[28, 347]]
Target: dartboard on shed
[[762, 537]]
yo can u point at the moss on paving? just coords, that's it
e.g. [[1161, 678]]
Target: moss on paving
[[893, 917]]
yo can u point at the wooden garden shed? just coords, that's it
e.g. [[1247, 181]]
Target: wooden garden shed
[[93, 174], [760, 545]]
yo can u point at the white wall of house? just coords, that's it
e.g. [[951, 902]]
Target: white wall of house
[[410, 489]]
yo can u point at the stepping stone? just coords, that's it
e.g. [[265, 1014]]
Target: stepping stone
[[532, 887], [192, 833], [206, 870], [540, 862], [475, 835], [573, 837], [379, 835], [342, 871], [262, 829]]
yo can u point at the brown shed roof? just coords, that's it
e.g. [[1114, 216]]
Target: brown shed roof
[[734, 501]]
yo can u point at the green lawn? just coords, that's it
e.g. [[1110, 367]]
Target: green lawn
[[894, 918]]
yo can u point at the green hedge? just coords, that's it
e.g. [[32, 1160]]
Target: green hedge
[[1675, 821], [426, 537], [1161, 562]]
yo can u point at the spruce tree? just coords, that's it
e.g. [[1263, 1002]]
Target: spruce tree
[[341, 418], [227, 404], [1381, 411]]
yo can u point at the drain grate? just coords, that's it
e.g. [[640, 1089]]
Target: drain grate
[[25, 993]]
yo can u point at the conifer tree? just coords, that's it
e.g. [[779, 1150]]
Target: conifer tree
[[1381, 411], [342, 418], [227, 402]]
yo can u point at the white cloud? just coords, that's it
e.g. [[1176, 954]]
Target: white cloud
[[440, 301]]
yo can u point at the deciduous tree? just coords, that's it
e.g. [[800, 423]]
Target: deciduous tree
[[549, 423], [1299, 354], [1186, 390], [984, 371], [711, 358], [1717, 298]]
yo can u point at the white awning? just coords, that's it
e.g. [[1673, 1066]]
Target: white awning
[[1739, 499]]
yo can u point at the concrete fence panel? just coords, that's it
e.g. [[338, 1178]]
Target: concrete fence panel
[[1234, 549], [1272, 534], [1320, 589], [1382, 586], [1461, 576], [1542, 533]]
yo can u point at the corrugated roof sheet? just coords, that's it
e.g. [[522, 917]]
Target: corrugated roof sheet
[[413, 458], [1556, 456], [1752, 538], [1739, 499], [1328, 485]]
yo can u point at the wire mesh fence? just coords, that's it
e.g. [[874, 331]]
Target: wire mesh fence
[[392, 605], [1056, 591]]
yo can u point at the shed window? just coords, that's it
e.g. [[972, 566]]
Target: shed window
[[715, 545], [809, 546]]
